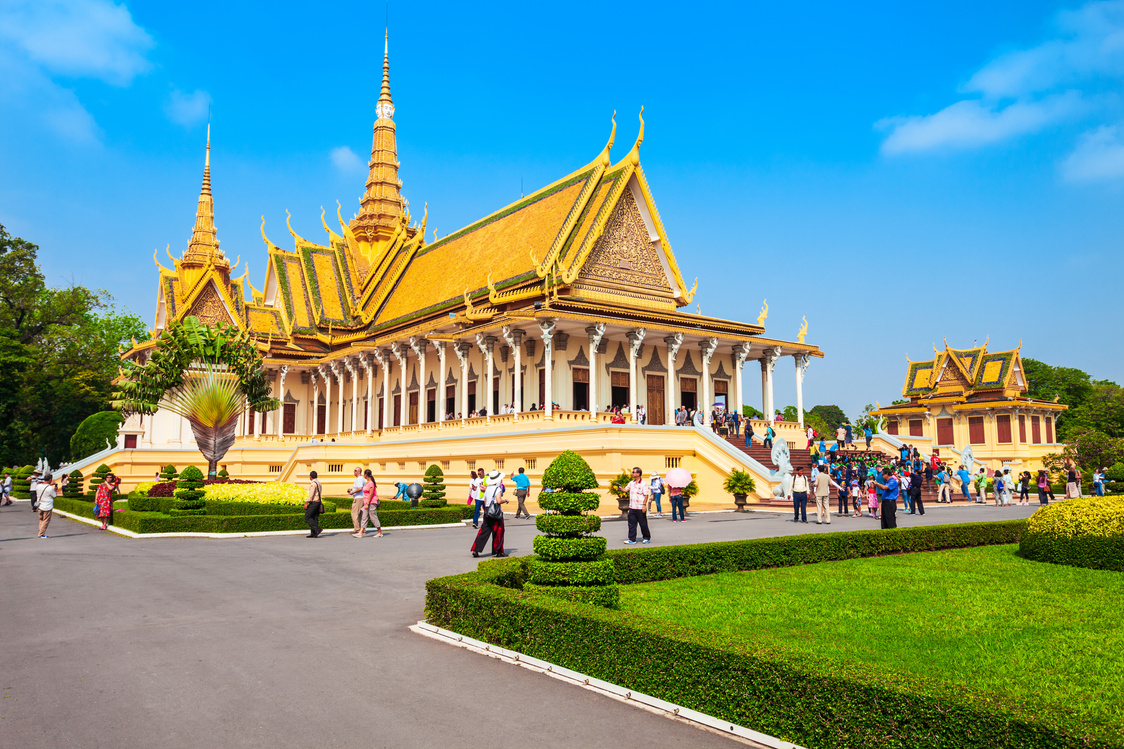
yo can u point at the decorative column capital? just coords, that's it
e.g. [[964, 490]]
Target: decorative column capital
[[595, 332], [547, 327], [673, 341], [802, 362], [741, 352], [770, 359], [351, 365], [635, 339], [440, 347], [708, 347], [462, 348], [418, 345], [399, 352]]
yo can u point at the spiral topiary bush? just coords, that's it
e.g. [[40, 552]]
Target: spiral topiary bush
[[21, 482], [189, 493], [95, 481], [73, 489], [571, 561], [433, 487], [168, 473], [1085, 532]]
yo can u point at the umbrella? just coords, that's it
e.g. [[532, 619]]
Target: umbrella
[[678, 478]]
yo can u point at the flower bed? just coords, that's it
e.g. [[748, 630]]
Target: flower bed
[[168, 488], [1085, 532]]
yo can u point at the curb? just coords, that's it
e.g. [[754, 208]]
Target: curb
[[655, 705]]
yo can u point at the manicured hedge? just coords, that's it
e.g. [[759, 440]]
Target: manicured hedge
[[163, 504], [813, 702], [1085, 532], [151, 522]]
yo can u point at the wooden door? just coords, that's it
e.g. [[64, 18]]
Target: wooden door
[[382, 413], [1022, 429], [414, 407], [916, 428], [1035, 430], [398, 410], [1003, 429], [656, 400], [944, 432], [431, 405], [250, 422], [451, 400], [289, 423], [321, 412]]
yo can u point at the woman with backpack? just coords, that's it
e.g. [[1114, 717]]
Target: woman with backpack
[[370, 509], [103, 499], [493, 517], [657, 492]]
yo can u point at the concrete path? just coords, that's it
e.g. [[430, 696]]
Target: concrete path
[[295, 642]]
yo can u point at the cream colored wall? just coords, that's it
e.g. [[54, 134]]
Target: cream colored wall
[[993, 454]]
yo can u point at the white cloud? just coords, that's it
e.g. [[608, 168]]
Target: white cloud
[[83, 38], [971, 123], [27, 93], [346, 160], [1026, 90], [188, 109], [1098, 156]]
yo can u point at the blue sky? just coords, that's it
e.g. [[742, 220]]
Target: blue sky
[[898, 174]]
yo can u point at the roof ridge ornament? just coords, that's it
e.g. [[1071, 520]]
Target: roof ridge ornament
[[604, 158], [634, 154]]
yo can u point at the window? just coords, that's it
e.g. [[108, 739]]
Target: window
[[1022, 429], [721, 392], [444, 465], [401, 465], [916, 428], [471, 464], [499, 464], [581, 389], [275, 469], [976, 430], [1036, 430], [1003, 429], [944, 432], [688, 392], [619, 390], [422, 465], [1050, 430], [892, 427], [669, 462], [530, 463], [382, 466], [451, 399], [335, 468], [130, 441]]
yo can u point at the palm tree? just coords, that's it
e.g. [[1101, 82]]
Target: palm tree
[[206, 375]]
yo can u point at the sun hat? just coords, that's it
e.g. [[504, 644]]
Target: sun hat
[[495, 475]]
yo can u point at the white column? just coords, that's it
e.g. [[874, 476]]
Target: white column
[[802, 361], [462, 349], [369, 372], [282, 373], [514, 339], [635, 342], [326, 375], [741, 351], [419, 345], [707, 349], [547, 328], [383, 358], [673, 341], [440, 346], [768, 364], [487, 345], [596, 333], [765, 389], [403, 360], [353, 370], [314, 380], [337, 370]]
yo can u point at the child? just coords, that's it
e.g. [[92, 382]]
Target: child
[[857, 495], [872, 498]]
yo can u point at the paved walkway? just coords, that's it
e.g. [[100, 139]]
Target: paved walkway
[[291, 641]]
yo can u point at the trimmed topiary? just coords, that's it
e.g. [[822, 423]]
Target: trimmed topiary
[[95, 481], [1085, 532], [223, 474], [571, 563], [73, 488], [189, 493], [433, 487], [168, 473], [21, 482]]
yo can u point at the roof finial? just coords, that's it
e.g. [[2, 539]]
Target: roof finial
[[634, 154], [385, 94], [609, 145]]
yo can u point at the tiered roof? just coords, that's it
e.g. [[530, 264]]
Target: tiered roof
[[965, 372]]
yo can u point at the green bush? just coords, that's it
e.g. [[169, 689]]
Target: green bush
[[94, 432], [223, 474], [96, 479], [189, 493], [1085, 532], [433, 487], [739, 482], [169, 473], [561, 526], [144, 503], [21, 482], [569, 472], [796, 699], [561, 549], [568, 503], [73, 488], [599, 572]]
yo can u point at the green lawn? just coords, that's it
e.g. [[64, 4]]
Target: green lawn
[[982, 618]]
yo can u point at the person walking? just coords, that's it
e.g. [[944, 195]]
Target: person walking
[[915, 494], [6, 489], [639, 494], [944, 486], [45, 493], [370, 510], [769, 434], [748, 432], [849, 436], [965, 483], [522, 488], [823, 497], [1043, 487], [997, 487], [799, 496], [356, 494], [657, 491], [890, 489], [476, 495], [103, 499], [1072, 490], [868, 436], [1024, 488], [314, 505], [493, 517]]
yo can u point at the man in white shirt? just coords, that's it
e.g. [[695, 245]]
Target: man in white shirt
[[45, 493], [356, 494], [639, 492], [799, 496]]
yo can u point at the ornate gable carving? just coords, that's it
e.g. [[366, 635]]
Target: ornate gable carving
[[620, 361], [208, 307], [625, 253]]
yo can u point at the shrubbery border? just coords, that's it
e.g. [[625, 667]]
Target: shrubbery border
[[812, 702]]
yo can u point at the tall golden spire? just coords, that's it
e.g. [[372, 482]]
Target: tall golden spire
[[204, 244], [381, 207]]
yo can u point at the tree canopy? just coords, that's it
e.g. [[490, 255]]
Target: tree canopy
[[58, 355], [1093, 427]]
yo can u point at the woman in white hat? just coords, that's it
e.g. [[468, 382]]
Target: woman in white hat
[[493, 517], [657, 492]]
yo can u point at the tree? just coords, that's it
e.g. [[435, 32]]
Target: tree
[[94, 433], [206, 375], [832, 416], [1101, 411]]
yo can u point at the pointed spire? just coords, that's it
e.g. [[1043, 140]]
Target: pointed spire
[[204, 244], [385, 95]]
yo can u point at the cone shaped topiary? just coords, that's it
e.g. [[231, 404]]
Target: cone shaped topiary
[[189, 493], [95, 481], [433, 487], [73, 488], [571, 561]]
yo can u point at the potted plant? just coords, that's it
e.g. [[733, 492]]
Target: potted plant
[[740, 484], [689, 491], [617, 489]]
